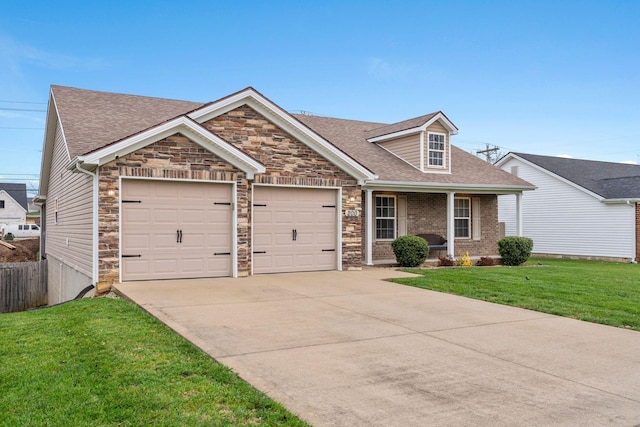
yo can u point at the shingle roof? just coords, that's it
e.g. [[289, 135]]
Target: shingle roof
[[607, 179], [399, 126], [17, 191], [350, 136], [92, 119]]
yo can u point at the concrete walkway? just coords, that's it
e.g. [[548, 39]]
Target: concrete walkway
[[348, 349]]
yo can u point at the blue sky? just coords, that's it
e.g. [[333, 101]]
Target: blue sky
[[542, 77]]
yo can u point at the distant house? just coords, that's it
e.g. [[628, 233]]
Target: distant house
[[580, 208], [13, 203], [140, 188]]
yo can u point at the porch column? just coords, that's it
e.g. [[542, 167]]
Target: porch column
[[519, 214], [369, 226], [450, 224]]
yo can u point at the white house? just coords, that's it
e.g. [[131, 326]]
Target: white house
[[13, 203], [580, 208]]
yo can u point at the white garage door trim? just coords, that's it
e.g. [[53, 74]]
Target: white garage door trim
[[234, 216], [338, 230]]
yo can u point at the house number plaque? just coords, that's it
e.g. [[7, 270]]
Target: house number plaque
[[353, 212]]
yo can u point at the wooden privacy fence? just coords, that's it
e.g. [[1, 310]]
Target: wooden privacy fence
[[23, 285]]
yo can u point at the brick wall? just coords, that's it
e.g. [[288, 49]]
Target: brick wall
[[427, 213]]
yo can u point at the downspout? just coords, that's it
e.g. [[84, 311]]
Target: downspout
[[94, 249]]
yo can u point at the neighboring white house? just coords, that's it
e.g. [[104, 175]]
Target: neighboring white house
[[13, 203], [580, 208]]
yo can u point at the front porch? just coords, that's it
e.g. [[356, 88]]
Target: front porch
[[468, 221]]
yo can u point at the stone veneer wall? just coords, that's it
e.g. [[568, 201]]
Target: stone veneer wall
[[427, 213], [289, 162], [175, 157]]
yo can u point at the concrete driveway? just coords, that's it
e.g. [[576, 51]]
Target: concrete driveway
[[348, 349]]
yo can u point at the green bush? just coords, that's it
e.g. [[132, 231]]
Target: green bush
[[8, 236], [410, 251], [515, 250]]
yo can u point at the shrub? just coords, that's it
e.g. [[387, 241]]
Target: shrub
[[486, 261], [8, 236], [410, 251], [446, 261], [464, 260], [515, 250]]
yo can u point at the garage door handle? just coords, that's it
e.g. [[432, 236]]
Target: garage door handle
[[294, 233], [178, 236]]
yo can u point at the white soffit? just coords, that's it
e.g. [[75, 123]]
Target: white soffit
[[187, 127]]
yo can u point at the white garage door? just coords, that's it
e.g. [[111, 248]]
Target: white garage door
[[294, 229], [173, 230]]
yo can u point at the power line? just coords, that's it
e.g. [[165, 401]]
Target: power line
[[22, 109], [23, 102], [3, 127]]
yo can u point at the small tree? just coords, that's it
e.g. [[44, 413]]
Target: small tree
[[515, 250], [410, 251]]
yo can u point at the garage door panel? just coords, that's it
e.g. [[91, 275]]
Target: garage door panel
[[149, 228], [299, 209]]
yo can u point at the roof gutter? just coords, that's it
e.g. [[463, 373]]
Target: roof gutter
[[627, 201], [76, 166], [436, 187]]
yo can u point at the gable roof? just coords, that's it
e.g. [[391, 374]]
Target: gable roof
[[607, 179], [92, 119], [409, 126], [18, 192], [97, 126], [467, 170]]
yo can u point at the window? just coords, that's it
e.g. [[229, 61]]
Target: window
[[385, 217], [55, 212], [1, 204], [436, 149], [462, 217]]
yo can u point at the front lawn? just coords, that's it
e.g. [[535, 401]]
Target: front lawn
[[106, 362], [600, 292]]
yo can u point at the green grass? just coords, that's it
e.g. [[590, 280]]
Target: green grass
[[106, 362], [600, 292]]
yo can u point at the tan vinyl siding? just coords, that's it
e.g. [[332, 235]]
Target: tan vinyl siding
[[407, 148], [70, 240], [437, 127]]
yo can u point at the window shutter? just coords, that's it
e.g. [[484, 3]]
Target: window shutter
[[476, 230], [402, 215]]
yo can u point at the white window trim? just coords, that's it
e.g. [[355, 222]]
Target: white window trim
[[443, 151], [395, 217], [469, 218]]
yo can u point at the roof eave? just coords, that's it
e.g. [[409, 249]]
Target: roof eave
[[436, 187], [183, 125], [282, 118]]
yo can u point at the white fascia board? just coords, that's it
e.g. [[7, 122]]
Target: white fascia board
[[435, 187], [190, 129], [558, 177], [450, 127], [283, 119], [53, 119]]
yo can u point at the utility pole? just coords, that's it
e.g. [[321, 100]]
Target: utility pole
[[488, 152]]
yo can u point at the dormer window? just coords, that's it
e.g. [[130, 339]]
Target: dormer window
[[436, 149]]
